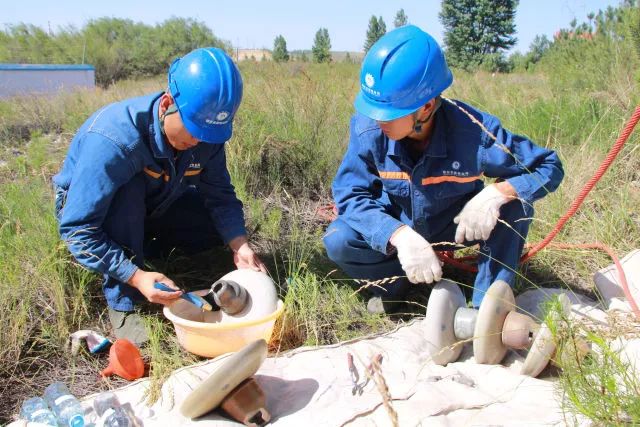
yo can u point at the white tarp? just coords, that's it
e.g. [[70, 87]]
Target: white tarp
[[312, 386], [609, 285]]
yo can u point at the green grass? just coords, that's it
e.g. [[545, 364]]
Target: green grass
[[602, 386], [597, 383], [289, 138], [292, 129], [164, 355], [320, 308], [43, 295]]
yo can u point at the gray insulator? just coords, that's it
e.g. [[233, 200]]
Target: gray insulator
[[229, 296], [464, 323]]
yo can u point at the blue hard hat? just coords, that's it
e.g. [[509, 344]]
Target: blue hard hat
[[207, 88], [401, 72]]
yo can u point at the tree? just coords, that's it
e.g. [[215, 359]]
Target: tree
[[372, 33], [475, 28], [121, 48], [377, 28], [280, 53], [538, 47], [400, 19], [321, 49], [493, 62], [382, 27]]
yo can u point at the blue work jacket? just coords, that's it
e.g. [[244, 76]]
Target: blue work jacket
[[116, 143], [379, 187]]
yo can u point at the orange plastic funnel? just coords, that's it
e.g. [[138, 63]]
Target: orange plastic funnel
[[124, 360]]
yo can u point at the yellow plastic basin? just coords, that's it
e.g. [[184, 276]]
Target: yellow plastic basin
[[207, 334]]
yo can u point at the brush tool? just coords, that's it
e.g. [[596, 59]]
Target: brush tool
[[192, 298]]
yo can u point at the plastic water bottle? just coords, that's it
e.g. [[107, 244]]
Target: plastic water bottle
[[110, 412], [65, 406], [36, 410]]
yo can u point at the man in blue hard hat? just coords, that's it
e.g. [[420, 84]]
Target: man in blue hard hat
[[411, 182], [152, 171]]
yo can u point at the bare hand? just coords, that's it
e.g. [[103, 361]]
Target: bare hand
[[144, 281], [245, 257]]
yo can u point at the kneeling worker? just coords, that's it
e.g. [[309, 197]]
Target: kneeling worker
[[148, 174]]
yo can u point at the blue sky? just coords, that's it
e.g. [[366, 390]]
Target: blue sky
[[255, 23]]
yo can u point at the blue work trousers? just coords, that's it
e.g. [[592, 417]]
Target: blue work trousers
[[497, 260], [186, 224]]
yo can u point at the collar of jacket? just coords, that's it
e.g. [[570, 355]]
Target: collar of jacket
[[436, 148], [159, 148]]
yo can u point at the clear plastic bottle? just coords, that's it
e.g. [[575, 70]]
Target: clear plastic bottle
[[65, 406], [36, 410], [110, 412]]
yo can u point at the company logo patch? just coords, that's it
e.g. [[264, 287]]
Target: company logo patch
[[194, 166], [370, 91], [455, 165], [221, 118], [455, 173], [369, 80]]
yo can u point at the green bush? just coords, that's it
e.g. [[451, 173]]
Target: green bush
[[117, 48]]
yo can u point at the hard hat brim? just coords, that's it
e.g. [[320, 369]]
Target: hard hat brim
[[382, 112], [212, 134]]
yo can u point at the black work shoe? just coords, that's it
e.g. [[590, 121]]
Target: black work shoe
[[128, 325], [379, 305]]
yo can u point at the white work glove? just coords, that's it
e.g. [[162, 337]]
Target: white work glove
[[480, 215], [416, 257]]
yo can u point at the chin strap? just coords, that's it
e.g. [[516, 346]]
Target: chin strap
[[417, 124]]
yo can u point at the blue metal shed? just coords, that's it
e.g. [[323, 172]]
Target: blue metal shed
[[40, 79]]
